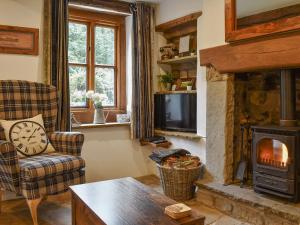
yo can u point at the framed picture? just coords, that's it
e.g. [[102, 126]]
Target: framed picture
[[19, 40], [184, 44]]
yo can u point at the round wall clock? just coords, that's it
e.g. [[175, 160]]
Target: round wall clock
[[29, 137]]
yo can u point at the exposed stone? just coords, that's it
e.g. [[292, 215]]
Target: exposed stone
[[213, 75], [207, 199], [245, 204], [223, 205]]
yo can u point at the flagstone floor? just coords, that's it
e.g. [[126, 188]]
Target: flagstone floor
[[56, 210]]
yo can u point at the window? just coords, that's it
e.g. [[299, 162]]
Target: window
[[96, 62]]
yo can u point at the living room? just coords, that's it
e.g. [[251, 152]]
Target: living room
[[114, 68]]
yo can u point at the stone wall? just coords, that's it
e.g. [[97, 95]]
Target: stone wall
[[257, 102], [235, 100], [220, 108]]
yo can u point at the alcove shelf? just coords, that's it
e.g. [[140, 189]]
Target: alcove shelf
[[180, 60], [166, 144], [176, 92]]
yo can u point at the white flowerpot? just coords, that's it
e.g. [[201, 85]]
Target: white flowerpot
[[99, 117], [189, 88]]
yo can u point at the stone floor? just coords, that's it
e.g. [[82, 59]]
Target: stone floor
[[56, 210]]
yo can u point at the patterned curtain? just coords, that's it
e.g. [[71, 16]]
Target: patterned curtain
[[56, 56], [142, 101]]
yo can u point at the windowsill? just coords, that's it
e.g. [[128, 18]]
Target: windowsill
[[187, 135], [91, 125]]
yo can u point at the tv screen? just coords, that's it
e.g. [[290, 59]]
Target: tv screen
[[176, 112]]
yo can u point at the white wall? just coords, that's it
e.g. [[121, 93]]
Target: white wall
[[109, 152], [172, 9], [26, 13]]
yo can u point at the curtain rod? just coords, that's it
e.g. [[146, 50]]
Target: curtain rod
[[98, 9]]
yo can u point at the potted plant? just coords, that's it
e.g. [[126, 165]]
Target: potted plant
[[189, 85], [97, 100], [167, 80]]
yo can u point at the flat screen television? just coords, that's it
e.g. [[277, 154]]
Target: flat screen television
[[176, 112]]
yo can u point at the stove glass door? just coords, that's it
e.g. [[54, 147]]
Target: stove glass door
[[272, 152]]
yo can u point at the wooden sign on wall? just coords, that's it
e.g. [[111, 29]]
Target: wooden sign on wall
[[19, 40]]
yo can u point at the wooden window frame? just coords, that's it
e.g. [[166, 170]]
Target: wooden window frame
[[92, 19]]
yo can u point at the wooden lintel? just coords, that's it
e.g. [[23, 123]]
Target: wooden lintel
[[114, 5], [178, 22], [282, 52]]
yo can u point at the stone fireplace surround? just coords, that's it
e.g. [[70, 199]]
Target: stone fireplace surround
[[233, 100]]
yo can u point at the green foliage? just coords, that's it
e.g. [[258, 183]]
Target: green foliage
[[104, 46], [77, 43], [104, 83], [77, 86], [104, 55], [167, 78]]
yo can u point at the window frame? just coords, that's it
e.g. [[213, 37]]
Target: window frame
[[94, 19]]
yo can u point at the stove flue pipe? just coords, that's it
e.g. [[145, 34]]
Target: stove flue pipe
[[288, 98]]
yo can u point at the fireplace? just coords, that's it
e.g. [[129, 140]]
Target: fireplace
[[276, 149]]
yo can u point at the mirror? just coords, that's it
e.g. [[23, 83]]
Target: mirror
[[252, 18]]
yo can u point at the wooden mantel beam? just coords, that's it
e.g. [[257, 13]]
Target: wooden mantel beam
[[276, 53]]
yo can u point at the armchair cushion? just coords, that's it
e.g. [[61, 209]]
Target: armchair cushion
[[8, 124], [67, 142], [49, 165]]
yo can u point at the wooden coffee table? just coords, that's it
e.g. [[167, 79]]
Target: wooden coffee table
[[123, 202]]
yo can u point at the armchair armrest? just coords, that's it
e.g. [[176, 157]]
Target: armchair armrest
[[67, 142], [9, 167]]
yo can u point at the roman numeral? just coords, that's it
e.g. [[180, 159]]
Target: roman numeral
[[17, 139], [25, 124], [26, 149], [43, 141], [20, 146], [34, 150], [19, 127], [43, 134]]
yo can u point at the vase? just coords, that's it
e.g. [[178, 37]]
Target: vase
[[99, 116]]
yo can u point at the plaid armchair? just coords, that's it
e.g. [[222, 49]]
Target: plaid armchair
[[46, 174]]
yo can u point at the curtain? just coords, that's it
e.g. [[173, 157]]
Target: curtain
[[142, 101], [56, 56]]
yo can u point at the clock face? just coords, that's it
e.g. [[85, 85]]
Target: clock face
[[29, 137]]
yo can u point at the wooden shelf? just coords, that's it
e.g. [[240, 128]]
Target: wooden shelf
[[166, 144], [188, 135], [180, 60], [178, 22], [176, 92]]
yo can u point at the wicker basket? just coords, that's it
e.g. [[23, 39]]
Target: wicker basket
[[179, 184]]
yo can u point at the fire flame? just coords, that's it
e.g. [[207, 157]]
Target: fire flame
[[273, 152], [285, 154]]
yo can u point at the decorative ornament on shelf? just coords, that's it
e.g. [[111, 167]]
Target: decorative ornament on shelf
[[97, 100]]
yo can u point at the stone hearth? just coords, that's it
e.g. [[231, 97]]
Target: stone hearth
[[245, 204]]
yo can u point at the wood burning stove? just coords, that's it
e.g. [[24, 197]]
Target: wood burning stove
[[276, 149]]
